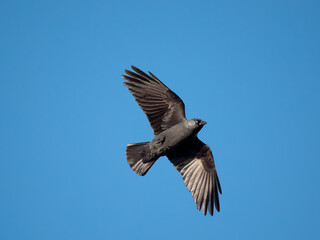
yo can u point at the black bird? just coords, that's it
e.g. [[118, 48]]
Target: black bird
[[175, 137]]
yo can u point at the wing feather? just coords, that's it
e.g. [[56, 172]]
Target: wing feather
[[196, 165], [206, 195], [163, 107]]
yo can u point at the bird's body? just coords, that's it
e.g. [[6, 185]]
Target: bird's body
[[175, 137]]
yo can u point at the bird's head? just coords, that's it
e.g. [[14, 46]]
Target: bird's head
[[196, 124]]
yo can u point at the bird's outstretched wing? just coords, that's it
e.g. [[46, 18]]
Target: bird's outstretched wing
[[163, 107], [196, 165]]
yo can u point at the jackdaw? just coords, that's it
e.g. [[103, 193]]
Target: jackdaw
[[175, 137]]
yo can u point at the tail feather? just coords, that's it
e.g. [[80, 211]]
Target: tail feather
[[140, 158]]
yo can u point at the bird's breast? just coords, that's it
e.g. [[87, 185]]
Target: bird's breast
[[170, 139]]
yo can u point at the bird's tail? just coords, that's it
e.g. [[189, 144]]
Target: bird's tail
[[140, 157]]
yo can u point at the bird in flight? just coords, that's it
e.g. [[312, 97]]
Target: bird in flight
[[175, 137]]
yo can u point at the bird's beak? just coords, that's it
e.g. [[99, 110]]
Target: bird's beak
[[203, 122]]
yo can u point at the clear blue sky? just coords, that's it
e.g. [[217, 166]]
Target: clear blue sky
[[251, 69]]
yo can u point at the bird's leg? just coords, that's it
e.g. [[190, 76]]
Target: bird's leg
[[153, 153], [162, 149], [160, 140], [157, 148]]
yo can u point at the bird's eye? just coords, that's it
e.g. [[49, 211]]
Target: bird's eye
[[197, 121]]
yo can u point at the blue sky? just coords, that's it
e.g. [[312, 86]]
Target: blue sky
[[249, 68]]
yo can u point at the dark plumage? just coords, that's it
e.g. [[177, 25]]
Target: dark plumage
[[175, 137]]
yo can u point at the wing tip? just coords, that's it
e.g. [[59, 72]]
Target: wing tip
[[127, 71], [124, 77], [135, 68]]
